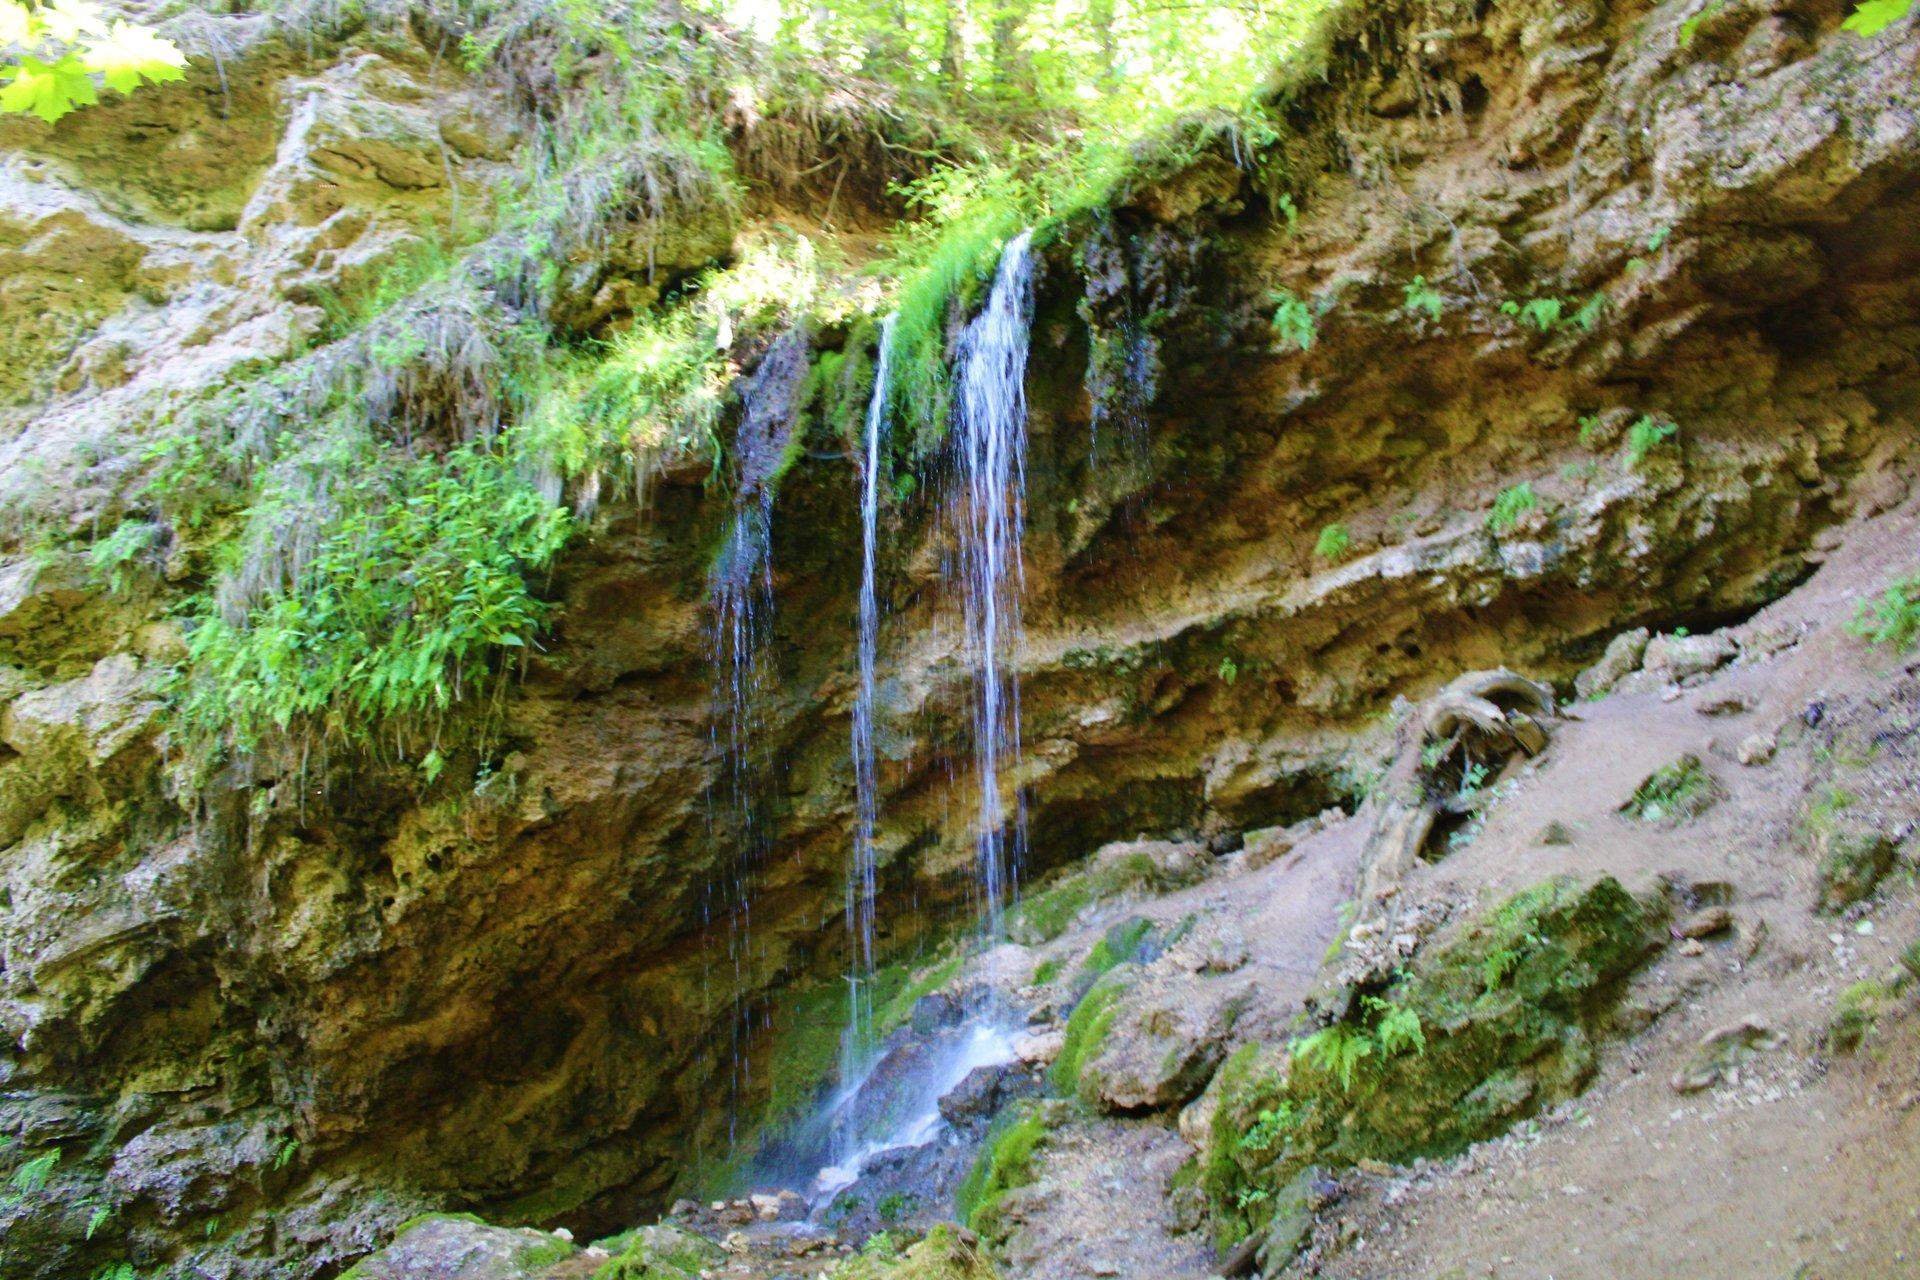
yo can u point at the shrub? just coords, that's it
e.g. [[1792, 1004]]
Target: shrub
[[409, 579]]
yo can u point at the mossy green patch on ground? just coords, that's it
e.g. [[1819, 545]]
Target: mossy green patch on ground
[[1678, 792], [945, 1254], [1005, 1162], [1483, 1030], [1046, 914], [660, 1252]]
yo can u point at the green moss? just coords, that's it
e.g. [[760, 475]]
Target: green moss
[[1046, 914], [1005, 1162], [1087, 1028], [1117, 946], [943, 1255], [1503, 1012], [1678, 792], [1047, 970], [659, 1252]]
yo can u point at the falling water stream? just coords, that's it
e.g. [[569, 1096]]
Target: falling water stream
[[875, 1111], [860, 878], [991, 510]]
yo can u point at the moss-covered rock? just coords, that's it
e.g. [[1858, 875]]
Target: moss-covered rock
[[459, 1246], [947, 1253], [659, 1252], [1853, 861], [1005, 1163], [1488, 1027]]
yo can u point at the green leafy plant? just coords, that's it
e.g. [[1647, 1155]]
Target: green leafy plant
[[1294, 322], [1269, 1127], [64, 52], [1542, 313], [98, 1217], [1423, 297], [1587, 317], [284, 1153], [1691, 27], [1645, 435], [1509, 505], [1333, 543], [1229, 671], [35, 1173], [1590, 428], [1398, 1029], [1871, 17], [1336, 1051], [417, 580], [1891, 618]]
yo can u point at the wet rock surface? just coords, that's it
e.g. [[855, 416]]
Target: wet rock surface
[[268, 1021]]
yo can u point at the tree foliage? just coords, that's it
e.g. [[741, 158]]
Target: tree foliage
[[56, 57]]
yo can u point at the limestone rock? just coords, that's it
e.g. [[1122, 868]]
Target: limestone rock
[[1623, 655], [1672, 659], [464, 1248], [1720, 1053], [1162, 1042], [1756, 748]]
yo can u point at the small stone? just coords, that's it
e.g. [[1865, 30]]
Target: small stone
[[1756, 749], [1039, 1048], [1705, 922], [1691, 947], [1720, 1052], [1721, 704]]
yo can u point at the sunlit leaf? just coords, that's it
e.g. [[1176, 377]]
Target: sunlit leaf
[[48, 89], [128, 54], [69, 20], [17, 24], [1874, 16]]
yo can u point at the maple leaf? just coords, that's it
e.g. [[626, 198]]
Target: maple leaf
[[1874, 16], [17, 24], [48, 89], [68, 20], [128, 54]]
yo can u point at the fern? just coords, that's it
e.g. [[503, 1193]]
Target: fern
[[1335, 1051], [1333, 543], [1293, 320], [35, 1173], [1399, 1029], [1646, 435], [1510, 505], [1423, 297], [1874, 16], [1892, 618], [1269, 1128], [1542, 313]]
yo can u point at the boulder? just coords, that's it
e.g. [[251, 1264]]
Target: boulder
[[461, 1247]]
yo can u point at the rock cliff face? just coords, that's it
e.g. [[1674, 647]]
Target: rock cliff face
[[263, 1020]]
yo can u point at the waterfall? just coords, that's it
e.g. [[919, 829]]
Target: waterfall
[[990, 424], [857, 1044], [888, 1102]]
